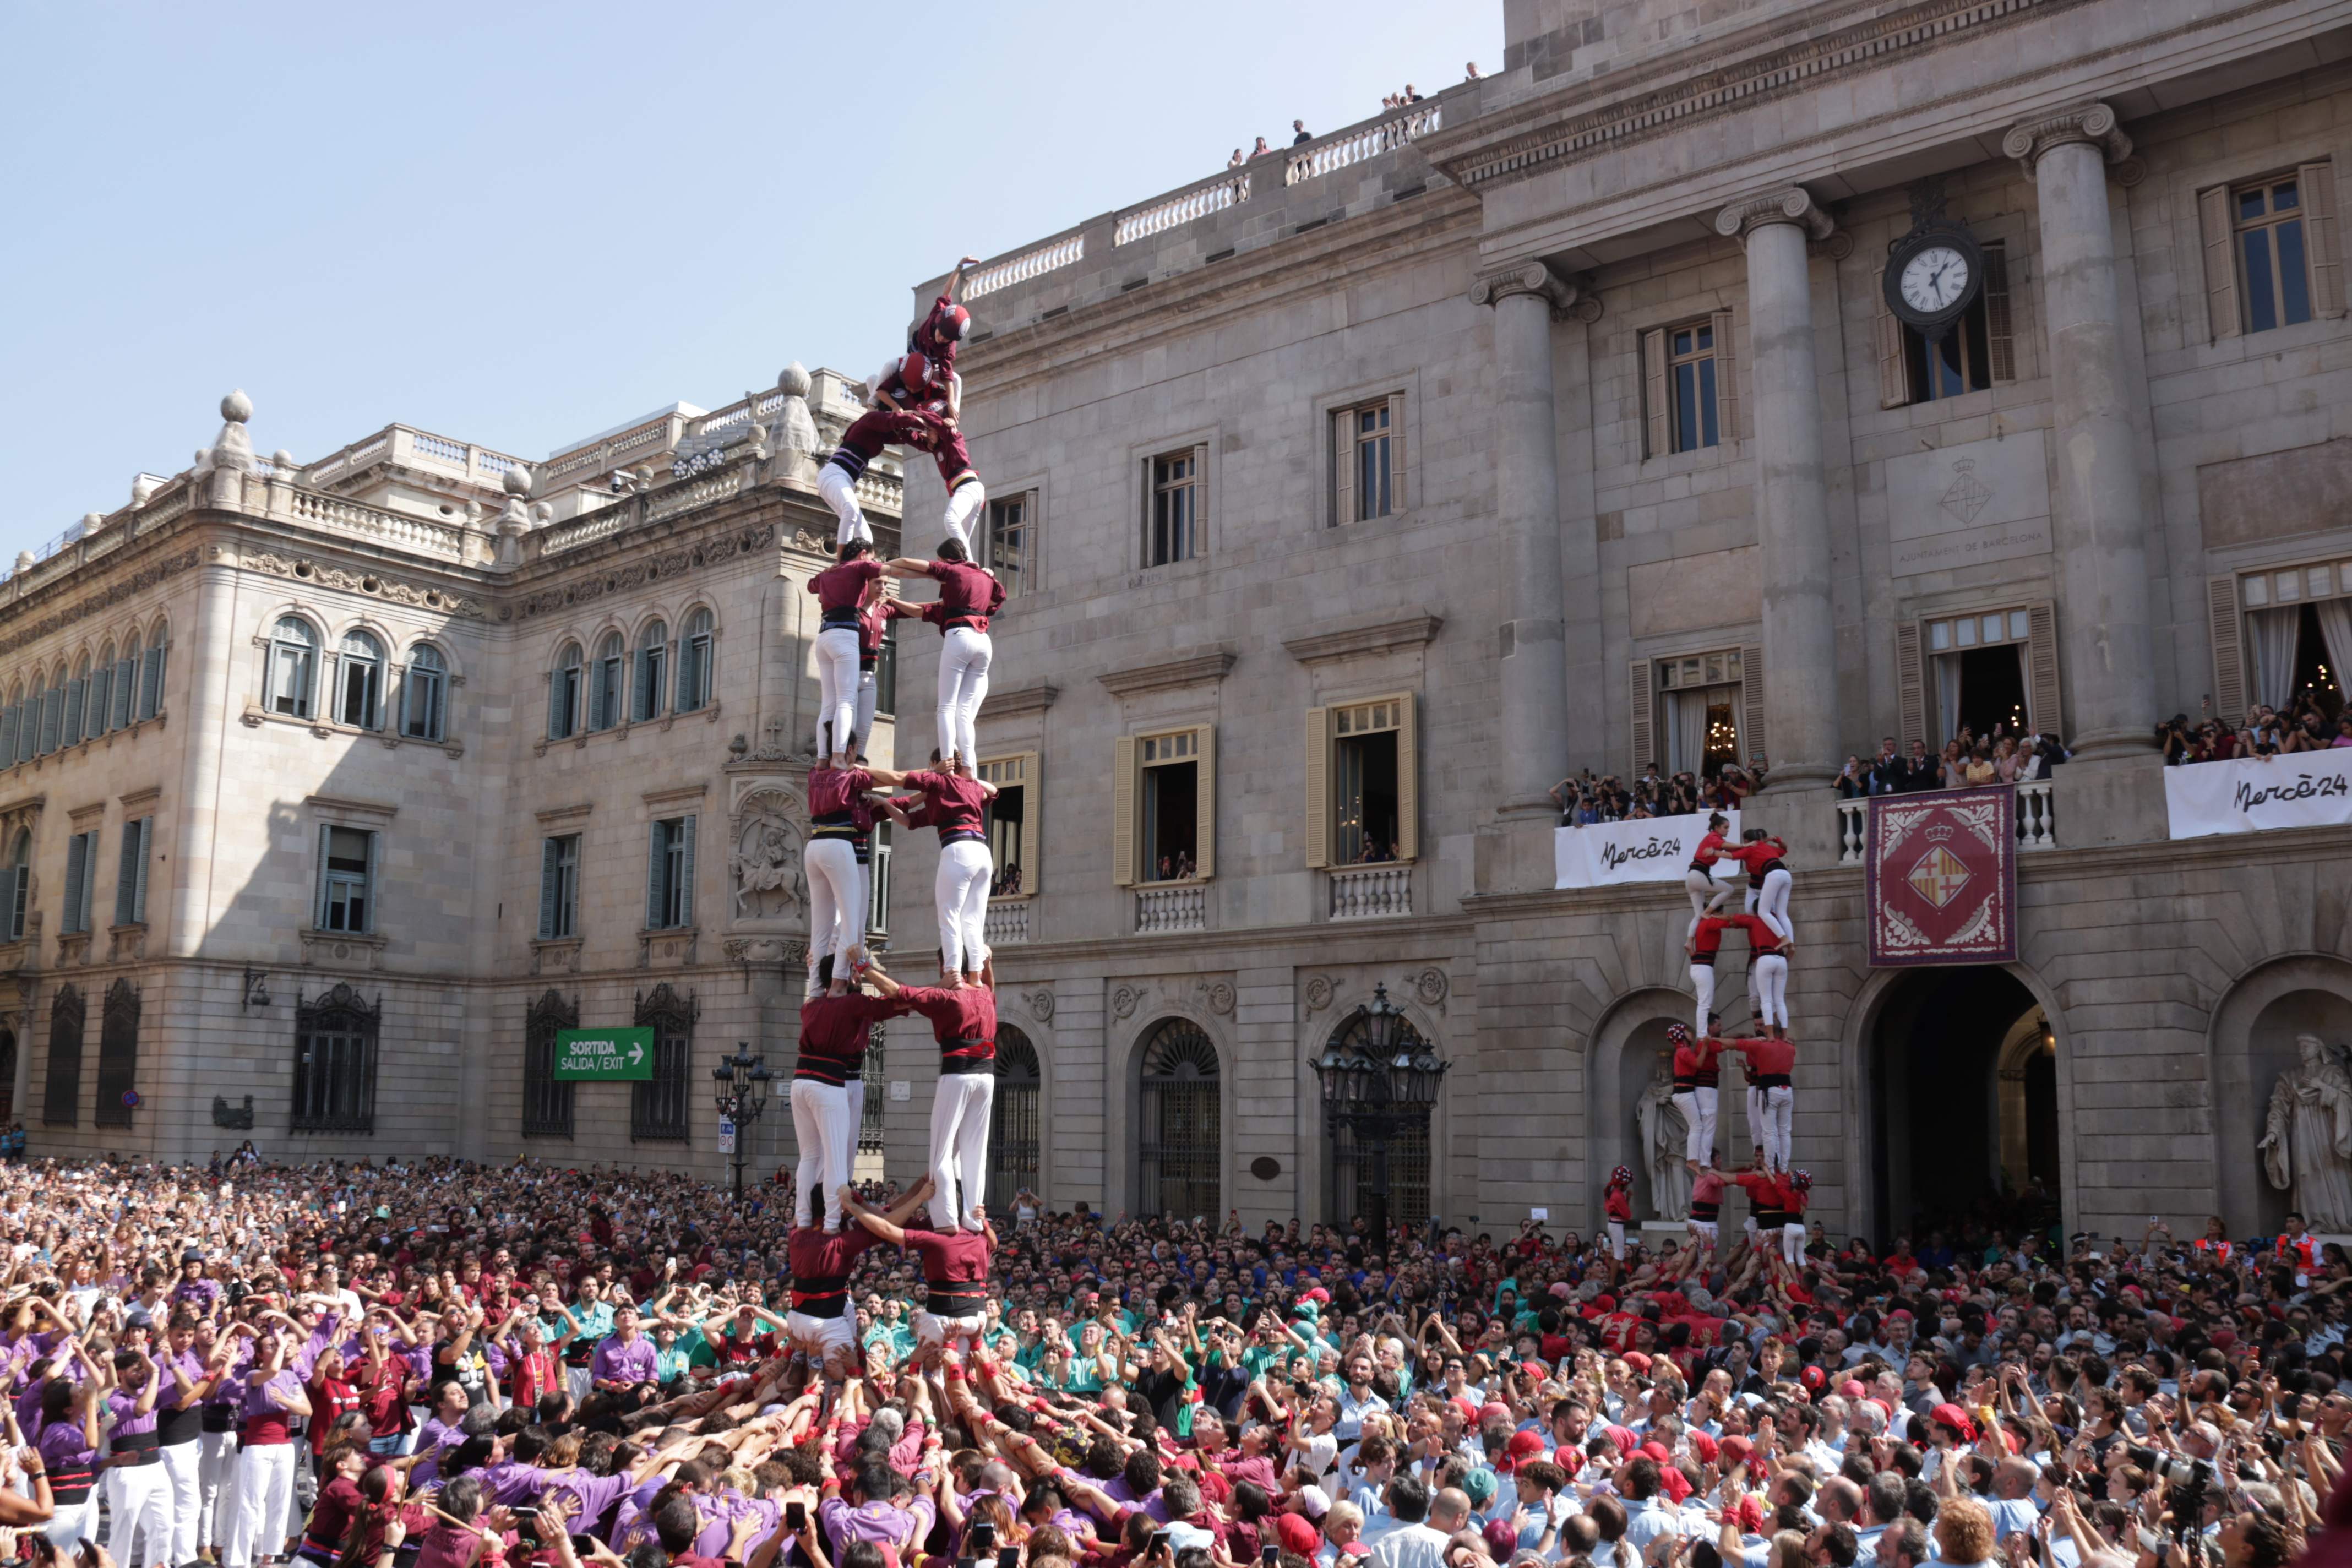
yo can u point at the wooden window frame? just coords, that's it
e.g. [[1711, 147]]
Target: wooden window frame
[[1648, 680], [2220, 229], [2230, 596], [1345, 444], [1023, 576], [1323, 737], [1127, 767], [1661, 402], [2038, 669], [1195, 483], [1022, 769]]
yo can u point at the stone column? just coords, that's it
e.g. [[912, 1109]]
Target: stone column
[[1534, 730], [2102, 612], [1801, 716], [198, 808]]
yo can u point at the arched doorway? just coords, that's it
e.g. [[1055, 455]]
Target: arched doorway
[[1964, 1113], [1014, 1141], [1180, 1124], [1348, 1174]]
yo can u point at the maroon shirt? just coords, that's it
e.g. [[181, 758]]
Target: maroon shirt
[[952, 803], [835, 1031], [820, 1262], [955, 1264], [968, 595], [840, 588], [835, 792], [963, 1021], [877, 428]]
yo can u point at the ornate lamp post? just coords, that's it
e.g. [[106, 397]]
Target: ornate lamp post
[[1379, 1081], [739, 1084]]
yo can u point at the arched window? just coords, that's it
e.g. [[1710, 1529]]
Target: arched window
[[546, 1100], [17, 885], [653, 664], [53, 712], [563, 694], [101, 692], [1347, 1186], [423, 693], [11, 716], [360, 680], [1013, 1124], [150, 671], [61, 1095], [77, 684], [126, 681], [1180, 1132], [293, 667], [694, 664], [610, 654]]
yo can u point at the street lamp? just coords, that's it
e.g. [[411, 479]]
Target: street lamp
[[1379, 1079], [739, 1084]]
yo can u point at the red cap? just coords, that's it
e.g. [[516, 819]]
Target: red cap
[[1298, 1537], [1523, 1445]]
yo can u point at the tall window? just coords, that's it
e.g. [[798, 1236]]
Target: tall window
[[1004, 547], [1690, 375], [1179, 1141], [293, 665], [1689, 385], [886, 671], [559, 887], [1012, 822], [2271, 260], [1173, 513], [101, 692], [61, 1095], [346, 879], [77, 689], [694, 664], [610, 657], [126, 681], [1015, 1123], [150, 671], [335, 1062], [81, 878], [2282, 636], [1172, 805], [1989, 671], [563, 694], [653, 661], [131, 873], [669, 874], [1702, 702], [1348, 1189], [1368, 460], [361, 697], [546, 1101], [878, 883], [874, 1084], [53, 712], [17, 885], [658, 1106], [118, 1054], [424, 694], [11, 716], [1361, 803]]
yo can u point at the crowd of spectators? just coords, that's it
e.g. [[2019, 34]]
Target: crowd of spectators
[[2306, 726], [1585, 799], [1969, 760]]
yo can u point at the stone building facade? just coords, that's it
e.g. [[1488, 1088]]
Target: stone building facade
[[1563, 420]]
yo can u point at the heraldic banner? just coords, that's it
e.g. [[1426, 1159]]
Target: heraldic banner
[[1940, 877]]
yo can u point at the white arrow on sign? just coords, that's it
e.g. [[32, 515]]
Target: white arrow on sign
[[637, 1053]]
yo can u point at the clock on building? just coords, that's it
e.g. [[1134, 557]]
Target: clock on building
[[1932, 275]]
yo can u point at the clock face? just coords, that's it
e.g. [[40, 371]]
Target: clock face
[[1934, 279]]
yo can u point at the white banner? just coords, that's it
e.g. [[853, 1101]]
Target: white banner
[[2247, 795], [1655, 849]]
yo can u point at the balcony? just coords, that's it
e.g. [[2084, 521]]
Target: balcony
[[1181, 907], [1372, 892], [1008, 922], [2037, 825]]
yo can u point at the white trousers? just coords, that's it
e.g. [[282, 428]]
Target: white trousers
[[840, 492], [1772, 901], [1709, 891], [824, 1125], [1616, 1239], [836, 885], [1779, 1110], [1756, 1118], [72, 1523], [1705, 1234], [215, 1489], [959, 1145], [1703, 982], [140, 1504], [836, 684], [964, 657], [265, 1490], [184, 1467], [964, 503], [1793, 1244], [1768, 973], [1698, 1116], [960, 889], [865, 724]]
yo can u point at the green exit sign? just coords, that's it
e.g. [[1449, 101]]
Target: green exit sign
[[603, 1055]]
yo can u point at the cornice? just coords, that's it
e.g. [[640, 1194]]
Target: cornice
[[1129, 956], [1192, 669], [1012, 701], [1364, 638]]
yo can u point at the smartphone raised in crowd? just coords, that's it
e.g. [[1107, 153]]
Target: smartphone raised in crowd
[[795, 1516], [1269, 1555]]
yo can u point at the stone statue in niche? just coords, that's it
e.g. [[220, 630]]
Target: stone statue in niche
[[766, 860], [1665, 1136], [2307, 1137]]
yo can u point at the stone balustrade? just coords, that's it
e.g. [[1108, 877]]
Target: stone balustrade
[[1212, 196], [1183, 907], [2037, 822], [1370, 892], [1008, 922], [411, 447], [1316, 158], [1052, 254]]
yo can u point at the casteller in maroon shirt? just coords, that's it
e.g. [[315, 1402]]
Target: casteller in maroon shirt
[[968, 594], [952, 803], [963, 1021]]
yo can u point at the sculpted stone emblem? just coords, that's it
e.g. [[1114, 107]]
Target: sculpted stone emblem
[[1318, 992], [2307, 1138], [1665, 1137], [1123, 1001], [766, 859], [1041, 1006]]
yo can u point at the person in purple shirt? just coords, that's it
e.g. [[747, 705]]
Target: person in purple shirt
[[142, 1496], [194, 1289], [873, 1515], [442, 1430], [627, 1364], [68, 1448]]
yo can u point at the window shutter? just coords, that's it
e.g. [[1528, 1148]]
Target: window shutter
[[1397, 492], [1318, 786], [151, 682], [94, 716], [554, 704], [1910, 689], [2318, 183], [1654, 390], [1204, 796], [641, 699], [1727, 380], [375, 883], [2001, 332], [1122, 811], [71, 732], [85, 910], [8, 930], [655, 836], [2226, 629], [1343, 466], [1408, 842], [685, 879], [8, 737], [2041, 668], [1751, 703], [2220, 264], [1032, 808], [1643, 682], [1200, 503], [319, 913], [1893, 385], [146, 844], [550, 855], [130, 872], [408, 704], [126, 671], [77, 877]]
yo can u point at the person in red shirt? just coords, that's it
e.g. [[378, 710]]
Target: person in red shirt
[[1698, 1078], [956, 804], [955, 1278], [1709, 878], [1768, 970], [1706, 1202], [860, 444], [1769, 882], [964, 1022], [1796, 1190], [968, 596], [875, 613], [828, 1092], [1703, 945], [1771, 1064], [1763, 1190], [922, 385], [1617, 1208], [840, 824]]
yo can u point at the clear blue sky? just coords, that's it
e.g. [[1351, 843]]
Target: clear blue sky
[[520, 224]]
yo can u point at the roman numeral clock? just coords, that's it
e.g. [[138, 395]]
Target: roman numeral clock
[[1933, 274]]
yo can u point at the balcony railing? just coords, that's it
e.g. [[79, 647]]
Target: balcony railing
[[1364, 141], [2037, 823], [1167, 212], [1372, 892], [1184, 907], [1047, 258], [1008, 922], [417, 448]]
